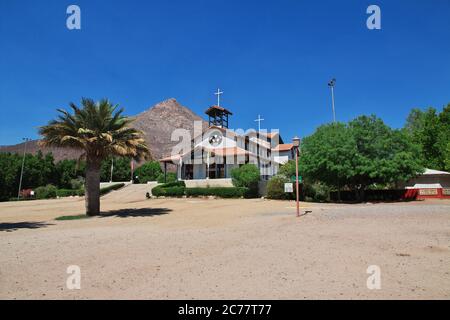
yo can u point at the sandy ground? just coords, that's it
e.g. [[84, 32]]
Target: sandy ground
[[233, 249]]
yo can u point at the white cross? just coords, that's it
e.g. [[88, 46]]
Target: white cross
[[259, 122], [218, 93]]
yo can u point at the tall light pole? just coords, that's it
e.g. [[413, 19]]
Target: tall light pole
[[331, 84], [296, 143], [23, 164]]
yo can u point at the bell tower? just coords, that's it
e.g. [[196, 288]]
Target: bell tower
[[218, 116]]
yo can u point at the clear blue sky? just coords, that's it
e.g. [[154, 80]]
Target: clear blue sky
[[272, 58]]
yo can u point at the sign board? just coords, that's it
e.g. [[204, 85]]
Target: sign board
[[300, 179], [428, 192], [288, 187]]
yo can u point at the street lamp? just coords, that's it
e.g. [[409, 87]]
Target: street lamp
[[296, 144], [331, 84], [23, 164]]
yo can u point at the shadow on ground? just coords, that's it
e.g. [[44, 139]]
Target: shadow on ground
[[144, 212], [13, 226]]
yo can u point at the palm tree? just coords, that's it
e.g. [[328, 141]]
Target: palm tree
[[99, 130]]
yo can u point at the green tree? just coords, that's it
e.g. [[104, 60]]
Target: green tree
[[430, 130], [383, 155], [328, 154], [68, 170], [149, 171], [359, 154], [121, 169], [246, 176], [10, 165], [99, 130]]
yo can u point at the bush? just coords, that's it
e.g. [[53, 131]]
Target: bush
[[168, 192], [171, 177], [247, 176], [77, 184], [172, 189], [47, 192], [275, 188], [316, 192], [149, 171], [67, 192], [178, 183], [222, 192]]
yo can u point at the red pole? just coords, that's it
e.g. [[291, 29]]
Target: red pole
[[296, 181]]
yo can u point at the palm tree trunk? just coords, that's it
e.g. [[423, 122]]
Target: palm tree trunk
[[92, 189]]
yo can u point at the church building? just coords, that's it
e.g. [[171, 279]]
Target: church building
[[218, 149]]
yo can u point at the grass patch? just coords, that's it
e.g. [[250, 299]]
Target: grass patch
[[80, 216]]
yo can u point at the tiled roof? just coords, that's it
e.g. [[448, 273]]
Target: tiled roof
[[283, 147]]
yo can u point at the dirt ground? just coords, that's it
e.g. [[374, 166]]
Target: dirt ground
[[232, 249]]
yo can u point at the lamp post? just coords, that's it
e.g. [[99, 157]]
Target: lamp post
[[23, 164], [331, 84], [296, 143]]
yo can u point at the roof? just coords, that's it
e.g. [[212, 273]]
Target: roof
[[283, 147], [214, 109], [426, 186], [433, 172]]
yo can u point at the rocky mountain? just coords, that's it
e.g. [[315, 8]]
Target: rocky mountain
[[158, 123]]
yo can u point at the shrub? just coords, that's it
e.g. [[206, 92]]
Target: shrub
[[223, 192], [66, 192], [77, 184], [171, 177], [168, 192], [149, 171], [247, 176], [172, 189], [275, 188], [316, 192], [47, 192]]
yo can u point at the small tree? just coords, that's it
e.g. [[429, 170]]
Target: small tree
[[149, 171], [247, 176], [275, 188]]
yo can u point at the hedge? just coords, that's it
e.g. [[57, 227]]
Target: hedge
[[116, 186], [67, 192], [171, 189], [168, 192], [80, 192], [374, 195], [223, 192], [178, 189]]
